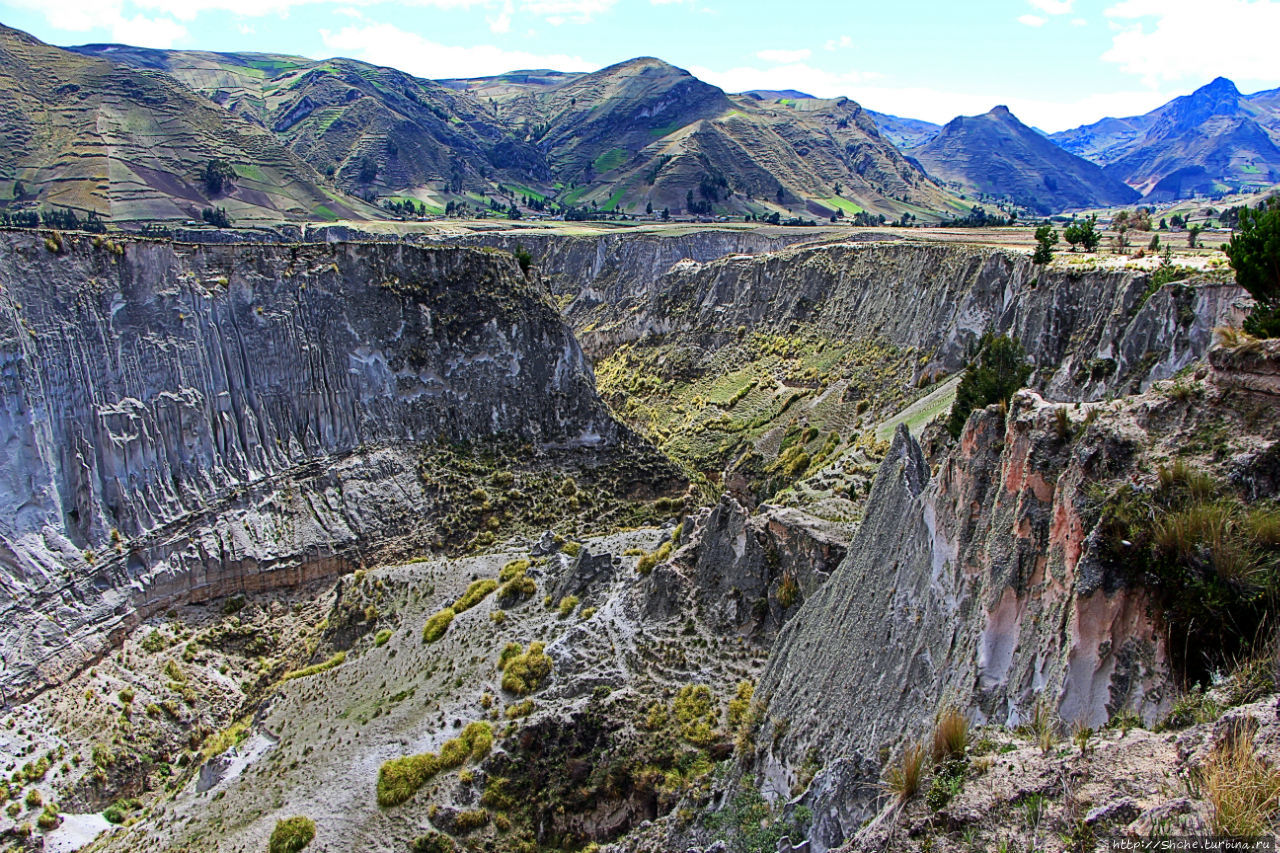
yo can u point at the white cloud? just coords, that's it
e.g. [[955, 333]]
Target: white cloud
[[1079, 22], [147, 32], [1032, 20], [785, 57], [806, 78], [1161, 40], [556, 11], [940, 106], [384, 44], [840, 43], [501, 23], [1053, 7]]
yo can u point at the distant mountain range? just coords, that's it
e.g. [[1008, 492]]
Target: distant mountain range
[[133, 134], [635, 136], [997, 155], [98, 137], [1211, 142]]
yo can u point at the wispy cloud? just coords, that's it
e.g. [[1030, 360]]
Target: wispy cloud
[[1032, 20], [1178, 39], [385, 44]]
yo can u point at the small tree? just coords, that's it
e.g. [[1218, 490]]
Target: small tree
[[1046, 237], [1083, 232], [1254, 251], [997, 373], [217, 177], [19, 191], [1193, 233]]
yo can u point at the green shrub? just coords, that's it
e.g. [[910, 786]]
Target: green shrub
[[433, 842], [513, 569], [315, 668], [698, 715], [469, 821], [437, 625], [1211, 562], [476, 593], [382, 637], [400, 778], [995, 376], [523, 672], [291, 835]]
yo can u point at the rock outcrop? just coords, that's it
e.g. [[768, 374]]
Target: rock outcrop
[[182, 422], [977, 586], [1090, 333]]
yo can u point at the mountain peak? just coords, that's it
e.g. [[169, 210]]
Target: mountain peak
[[1218, 86]]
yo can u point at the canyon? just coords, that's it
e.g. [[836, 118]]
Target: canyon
[[703, 473]]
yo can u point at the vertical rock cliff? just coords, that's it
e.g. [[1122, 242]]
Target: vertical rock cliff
[[186, 421]]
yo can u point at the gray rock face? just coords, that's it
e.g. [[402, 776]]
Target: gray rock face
[[1089, 333], [975, 586], [737, 562], [613, 274], [181, 422]]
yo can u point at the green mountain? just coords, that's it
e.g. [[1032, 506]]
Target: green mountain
[[376, 131], [997, 155], [134, 145], [638, 134]]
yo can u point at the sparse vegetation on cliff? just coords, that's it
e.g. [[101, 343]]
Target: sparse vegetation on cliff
[[1000, 369]]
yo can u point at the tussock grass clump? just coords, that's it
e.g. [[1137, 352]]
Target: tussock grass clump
[[382, 637], [524, 671], [950, 736], [291, 835], [567, 605], [315, 668], [519, 709], [467, 822], [433, 842], [400, 778], [697, 713], [648, 562], [903, 777], [1243, 789], [1212, 562], [1043, 726], [477, 592], [437, 624], [478, 738], [512, 570], [788, 591], [516, 584]]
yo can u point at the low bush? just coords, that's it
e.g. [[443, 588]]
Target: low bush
[[437, 624], [1243, 790], [291, 835], [476, 593], [524, 671]]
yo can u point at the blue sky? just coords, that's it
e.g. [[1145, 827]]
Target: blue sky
[[1056, 63]]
